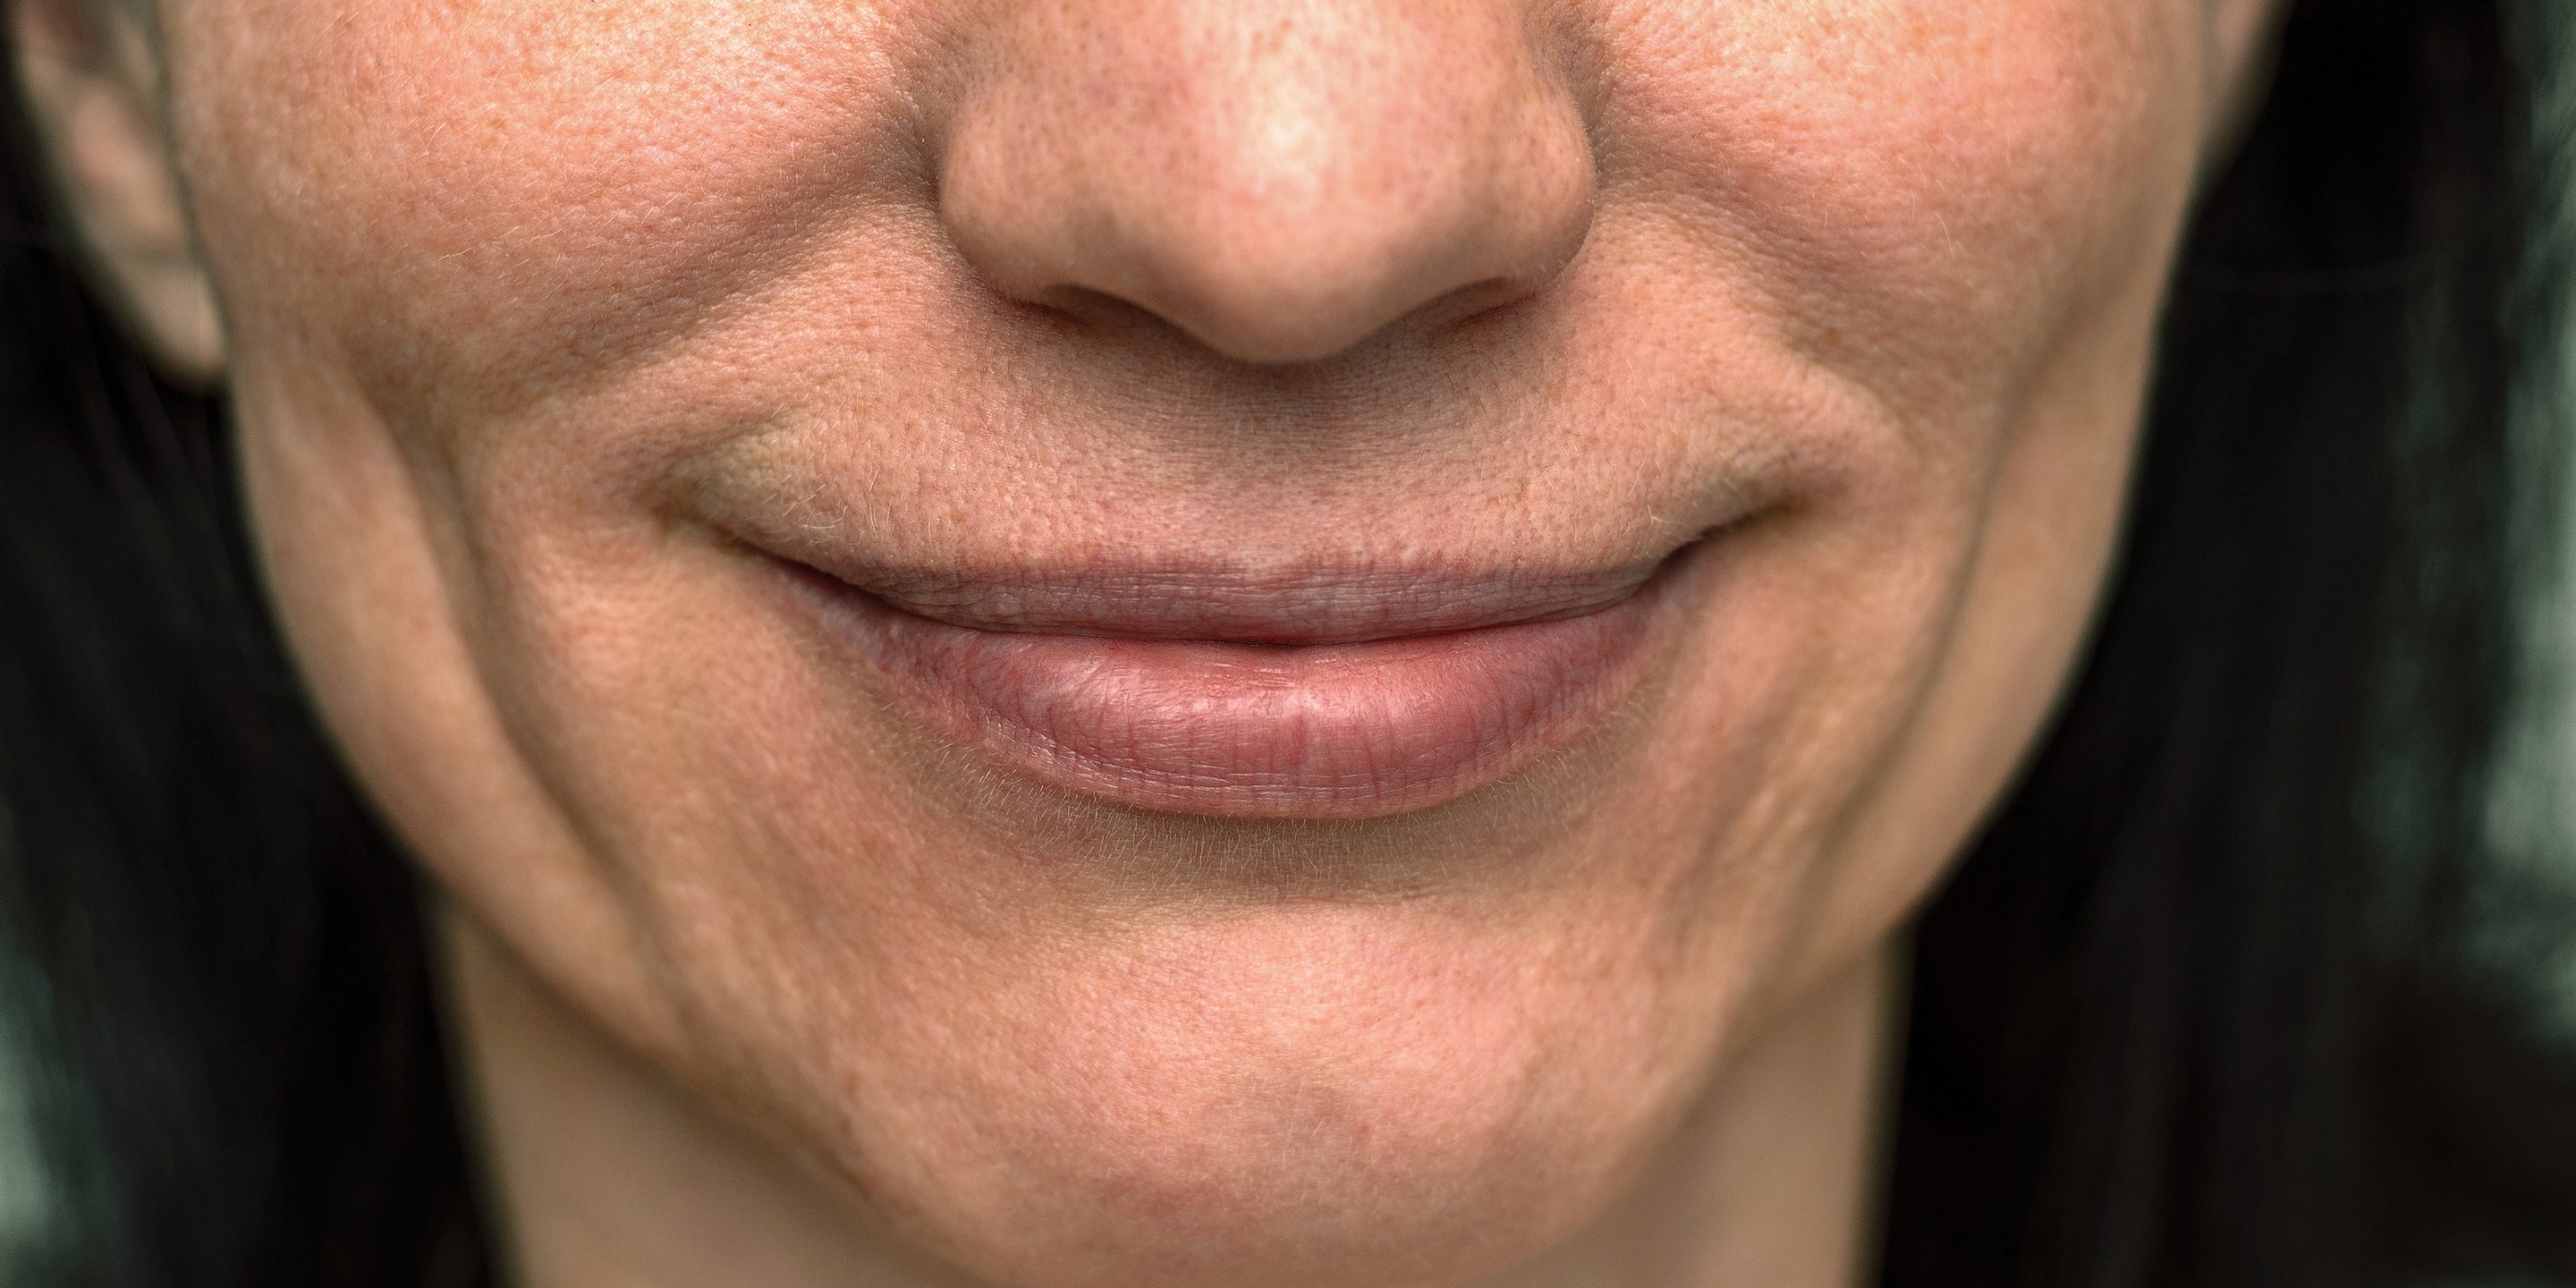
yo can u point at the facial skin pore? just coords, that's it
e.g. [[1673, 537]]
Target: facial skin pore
[[571, 345]]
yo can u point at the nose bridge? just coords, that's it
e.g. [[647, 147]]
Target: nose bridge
[[1278, 180]]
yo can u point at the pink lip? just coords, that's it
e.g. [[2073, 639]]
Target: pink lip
[[1327, 696]]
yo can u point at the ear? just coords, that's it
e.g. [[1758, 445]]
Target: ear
[[93, 88]]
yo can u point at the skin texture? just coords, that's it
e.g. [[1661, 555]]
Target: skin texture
[[529, 310]]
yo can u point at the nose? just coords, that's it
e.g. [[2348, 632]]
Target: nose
[[1279, 179]]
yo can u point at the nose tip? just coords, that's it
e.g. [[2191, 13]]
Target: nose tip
[[1278, 182]]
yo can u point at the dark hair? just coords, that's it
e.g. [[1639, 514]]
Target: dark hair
[[2236, 988], [2224, 994]]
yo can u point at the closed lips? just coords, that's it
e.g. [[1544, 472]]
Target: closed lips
[[1325, 695]]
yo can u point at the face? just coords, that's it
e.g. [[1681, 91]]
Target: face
[[1176, 635]]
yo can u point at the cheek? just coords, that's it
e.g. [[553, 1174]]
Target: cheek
[[1961, 213], [1873, 162], [485, 202]]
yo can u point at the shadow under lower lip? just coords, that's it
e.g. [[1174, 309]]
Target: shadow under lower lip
[[1342, 731]]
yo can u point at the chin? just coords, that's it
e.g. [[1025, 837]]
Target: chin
[[1289, 1099]]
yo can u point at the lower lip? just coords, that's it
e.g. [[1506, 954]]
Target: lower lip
[[1339, 731]]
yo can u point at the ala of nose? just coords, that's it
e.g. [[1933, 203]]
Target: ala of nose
[[1279, 181]]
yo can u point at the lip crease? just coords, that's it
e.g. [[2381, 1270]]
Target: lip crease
[[1336, 692]]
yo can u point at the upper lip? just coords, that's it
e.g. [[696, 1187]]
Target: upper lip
[[1254, 593], [1309, 604]]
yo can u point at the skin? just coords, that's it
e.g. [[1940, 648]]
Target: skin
[[520, 303]]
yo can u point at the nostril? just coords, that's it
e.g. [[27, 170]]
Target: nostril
[[1488, 300], [1097, 311], [1263, 295]]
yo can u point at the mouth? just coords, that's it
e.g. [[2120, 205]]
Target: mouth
[[1333, 692]]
